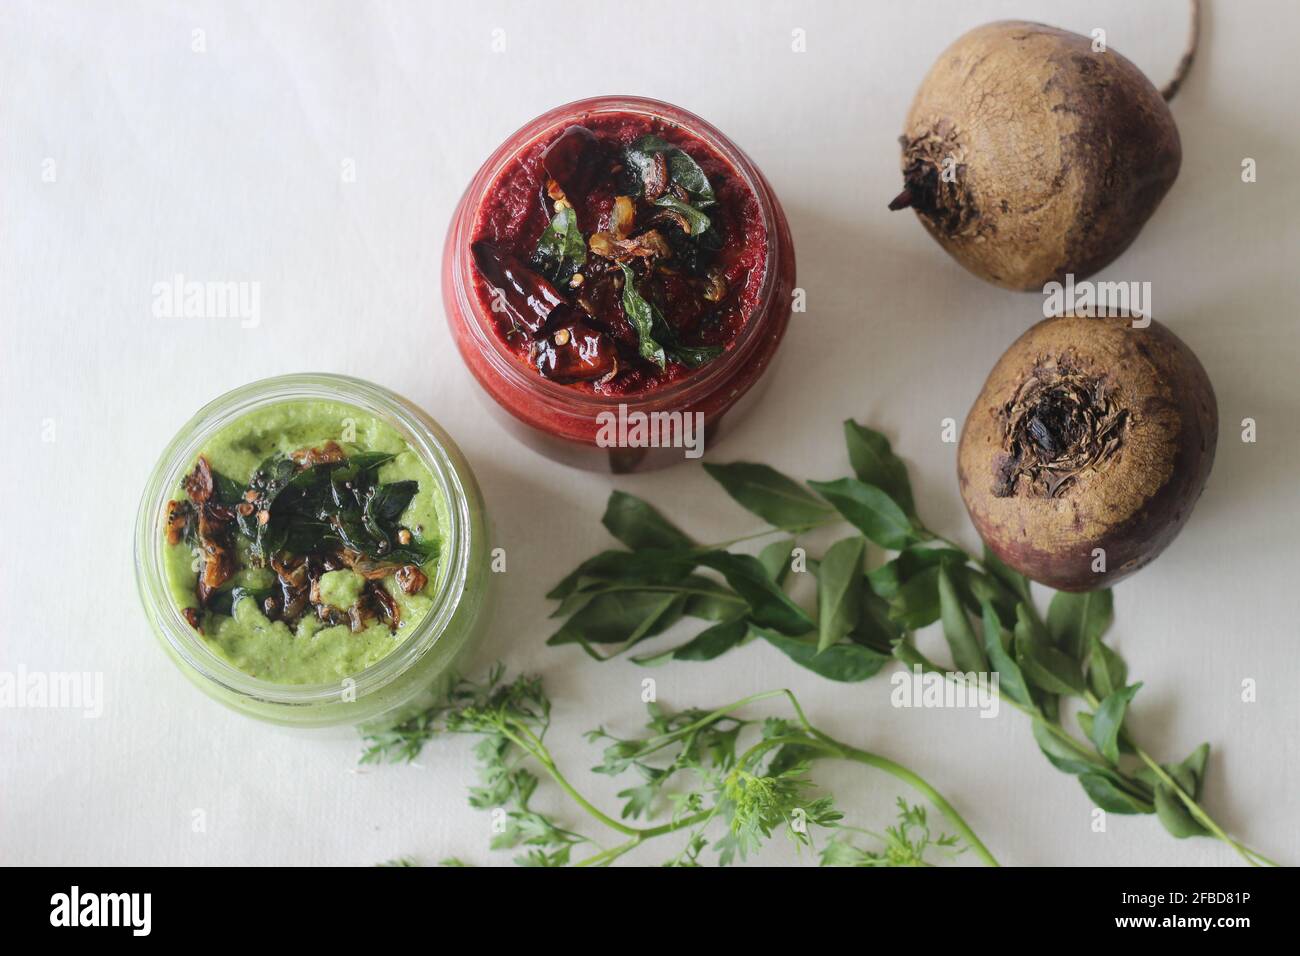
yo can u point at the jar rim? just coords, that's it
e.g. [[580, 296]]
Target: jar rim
[[561, 398], [399, 413]]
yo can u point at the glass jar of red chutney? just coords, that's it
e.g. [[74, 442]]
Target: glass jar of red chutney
[[616, 268]]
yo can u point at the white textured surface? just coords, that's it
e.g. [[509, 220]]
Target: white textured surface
[[225, 165]]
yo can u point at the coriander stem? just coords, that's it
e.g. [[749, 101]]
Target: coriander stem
[[543, 756], [663, 740], [675, 825], [920, 784], [834, 748], [605, 857], [523, 737], [527, 741]]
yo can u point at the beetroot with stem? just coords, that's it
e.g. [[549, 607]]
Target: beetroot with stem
[[1029, 154]]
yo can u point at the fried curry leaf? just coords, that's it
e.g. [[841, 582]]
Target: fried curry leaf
[[227, 490], [561, 250], [693, 356], [682, 169], [697, 220], [327, 506], [644, 318]]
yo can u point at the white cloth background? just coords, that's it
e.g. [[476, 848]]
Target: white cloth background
[[226, 164]]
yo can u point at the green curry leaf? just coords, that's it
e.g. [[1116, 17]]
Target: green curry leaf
[[875, 463], [871, 511], [772, 496], [839, 591]]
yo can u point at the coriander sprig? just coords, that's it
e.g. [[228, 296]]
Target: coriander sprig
[[690, 762], [866, 617]]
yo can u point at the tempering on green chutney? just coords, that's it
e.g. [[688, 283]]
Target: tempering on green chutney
[[304, 546]]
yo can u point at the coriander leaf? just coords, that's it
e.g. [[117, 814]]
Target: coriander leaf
[[638, 524], [875, 463], [1109, 721], [639, 801], [769, 494], [966, 653], [644, 318], [871, 511], [839, 590], [1074, 620], [841, 662], [905, 844], [399, 741]]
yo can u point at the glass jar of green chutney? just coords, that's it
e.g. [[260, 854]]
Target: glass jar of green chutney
[[321, 670]]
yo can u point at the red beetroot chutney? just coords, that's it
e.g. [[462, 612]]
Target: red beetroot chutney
[[580, 211]]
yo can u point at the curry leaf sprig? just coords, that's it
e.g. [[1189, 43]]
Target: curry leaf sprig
[[866, 617], [706, 769]]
